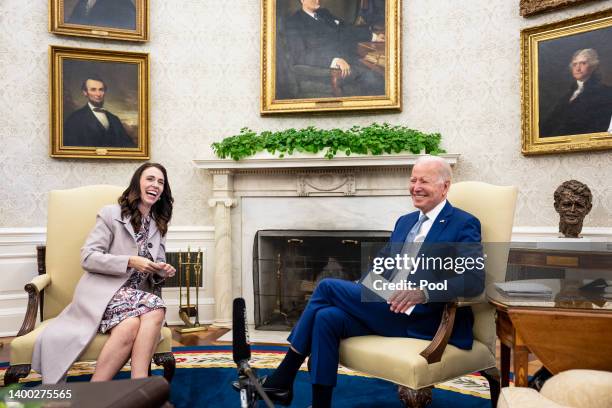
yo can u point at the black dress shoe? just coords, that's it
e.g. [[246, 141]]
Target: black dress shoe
[[281, 396]]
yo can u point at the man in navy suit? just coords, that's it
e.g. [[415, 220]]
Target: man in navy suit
[[337, 310], [92, 125]]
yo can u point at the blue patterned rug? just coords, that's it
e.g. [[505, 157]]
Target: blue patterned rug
[[204, 374]]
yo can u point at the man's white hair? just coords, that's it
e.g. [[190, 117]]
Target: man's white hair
[[444, 169], [590, 54]]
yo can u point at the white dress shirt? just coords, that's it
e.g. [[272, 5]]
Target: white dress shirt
[[101, 116]]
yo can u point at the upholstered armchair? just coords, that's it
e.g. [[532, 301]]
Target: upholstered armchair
[[71, 216], [416, 365], [568, 389]]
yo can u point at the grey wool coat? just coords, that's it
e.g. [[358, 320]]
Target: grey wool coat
[[104, 258]]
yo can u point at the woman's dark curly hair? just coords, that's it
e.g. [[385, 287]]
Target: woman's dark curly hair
[[161, 210]]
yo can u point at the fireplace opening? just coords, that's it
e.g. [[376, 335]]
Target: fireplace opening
[[288, 264]]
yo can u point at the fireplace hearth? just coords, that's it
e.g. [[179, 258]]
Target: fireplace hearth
[[288, 264]]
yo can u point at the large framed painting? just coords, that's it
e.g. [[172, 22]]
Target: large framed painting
[[330, 55], [99, 103], [566, 85], [531, 7], [112, 19]]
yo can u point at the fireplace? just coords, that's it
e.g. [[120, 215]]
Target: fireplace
[[288, 264], [300, 192]]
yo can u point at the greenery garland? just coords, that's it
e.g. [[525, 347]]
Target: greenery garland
[[374, 139]]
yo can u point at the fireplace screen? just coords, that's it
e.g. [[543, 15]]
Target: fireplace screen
[[287, 265]]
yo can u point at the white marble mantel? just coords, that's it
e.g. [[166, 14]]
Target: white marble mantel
[[262, 179], [266, 161]]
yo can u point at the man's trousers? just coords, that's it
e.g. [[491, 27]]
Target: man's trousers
[[336, 311]]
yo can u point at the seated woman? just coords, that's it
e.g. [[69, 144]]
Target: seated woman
[[124, 260]]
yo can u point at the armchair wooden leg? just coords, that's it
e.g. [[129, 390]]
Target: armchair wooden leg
[[414, 398], [167, 361], [15, 372], [493, 377]]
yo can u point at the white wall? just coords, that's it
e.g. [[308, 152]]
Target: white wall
[[461, 77]]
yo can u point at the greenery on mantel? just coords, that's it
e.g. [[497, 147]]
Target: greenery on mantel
[[374, 139]]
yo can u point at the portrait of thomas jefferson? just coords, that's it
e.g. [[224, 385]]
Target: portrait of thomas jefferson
[[574, 91], [101, 13], [100, 104], [586, 107]]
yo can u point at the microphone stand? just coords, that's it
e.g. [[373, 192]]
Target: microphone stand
[[249, 384]]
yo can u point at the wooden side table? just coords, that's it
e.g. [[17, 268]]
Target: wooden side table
[[563, 335]]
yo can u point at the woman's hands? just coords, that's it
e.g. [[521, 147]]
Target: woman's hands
[[145, 265], [167, 270]]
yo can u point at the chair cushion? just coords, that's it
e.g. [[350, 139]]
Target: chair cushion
[[580, 388], [397, 360], [522, 397], [23, 346]]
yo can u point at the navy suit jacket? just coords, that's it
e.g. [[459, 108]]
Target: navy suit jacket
[[82, 128], [452, 225]]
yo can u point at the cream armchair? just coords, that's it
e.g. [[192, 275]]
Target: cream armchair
[[569, 389], [416, 365], [71, 216]]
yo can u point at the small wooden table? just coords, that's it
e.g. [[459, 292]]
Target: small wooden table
[[569, 330]]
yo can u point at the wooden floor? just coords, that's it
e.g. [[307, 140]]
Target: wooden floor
[[209, 337]]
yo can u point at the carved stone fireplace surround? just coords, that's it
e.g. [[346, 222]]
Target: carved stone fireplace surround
[[305, 192]]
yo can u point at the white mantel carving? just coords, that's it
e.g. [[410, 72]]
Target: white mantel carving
[[295, 176]]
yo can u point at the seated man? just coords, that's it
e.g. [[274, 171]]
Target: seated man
[[337, 309], [317, 38]]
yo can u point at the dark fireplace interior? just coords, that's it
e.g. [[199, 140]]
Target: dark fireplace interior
[[287, 265]]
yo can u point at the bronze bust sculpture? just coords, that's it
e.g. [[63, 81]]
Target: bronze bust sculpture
[[573, 201]]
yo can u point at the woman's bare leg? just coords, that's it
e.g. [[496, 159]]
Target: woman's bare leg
[[116, 350], [146, 342]]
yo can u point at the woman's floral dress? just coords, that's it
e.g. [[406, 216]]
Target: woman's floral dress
[[130, 301]]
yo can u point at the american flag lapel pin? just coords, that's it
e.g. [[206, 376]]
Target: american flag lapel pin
[[442, 220]]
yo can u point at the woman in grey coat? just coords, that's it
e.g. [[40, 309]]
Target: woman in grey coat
[[123, 258]]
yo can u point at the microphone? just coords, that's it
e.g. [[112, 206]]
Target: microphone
[[241, 349], [241, 352]]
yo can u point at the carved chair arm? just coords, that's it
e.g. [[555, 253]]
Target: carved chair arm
[[34, 289], [433, 352], [472, 301]]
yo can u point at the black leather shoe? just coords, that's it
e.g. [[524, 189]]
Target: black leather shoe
[[281, 396]]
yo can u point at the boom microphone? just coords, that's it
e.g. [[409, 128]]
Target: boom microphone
[[241, 349]]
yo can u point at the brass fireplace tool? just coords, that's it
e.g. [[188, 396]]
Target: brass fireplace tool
[[188, 311]]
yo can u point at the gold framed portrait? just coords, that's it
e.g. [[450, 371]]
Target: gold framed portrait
[[111, 19], [566, 85], [99, 105], [330, 56]]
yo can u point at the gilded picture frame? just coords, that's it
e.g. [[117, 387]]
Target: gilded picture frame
[[344, 56], [126, 20], [99, 104], [566, 85], [531, 7]]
